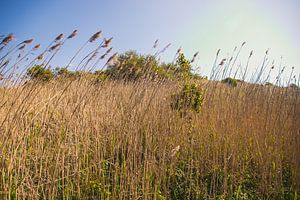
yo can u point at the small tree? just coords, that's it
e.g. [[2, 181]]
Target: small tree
[[38, 72], [62, 72], [185, 67], [132, 66], [191, 96]]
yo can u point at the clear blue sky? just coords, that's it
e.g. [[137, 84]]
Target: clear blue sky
[[196, 25]]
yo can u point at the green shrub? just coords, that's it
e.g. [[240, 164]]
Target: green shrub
[[294, 86], [230, 81], [191, 97], [62, 72], [184, 67], [132, 66], [199, 77], [180, 184], [101, 75], [38, 72], [268, 84]]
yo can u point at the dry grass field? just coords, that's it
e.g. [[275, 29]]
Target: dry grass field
[[76, 138]]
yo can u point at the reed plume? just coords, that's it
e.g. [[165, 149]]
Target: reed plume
[[95, 36]]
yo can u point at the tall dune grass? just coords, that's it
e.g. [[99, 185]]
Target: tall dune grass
[[81, 139]]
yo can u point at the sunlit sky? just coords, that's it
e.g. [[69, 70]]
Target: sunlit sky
[[194, 25]]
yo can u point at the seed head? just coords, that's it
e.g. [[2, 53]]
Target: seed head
[[165, 48], [54, 47], [196, 54], [22, 47], [194, 57], [267, 51], [73, 34], [251, 53], [222, 61], [107, 42], [27, 41], [179, 51], [5, 63], [95, 36], [112, 58], [8, 39], [103, 56], [59, 37], [109, 50], [155, 44], [36, 47], [94, 55], [40, 57]]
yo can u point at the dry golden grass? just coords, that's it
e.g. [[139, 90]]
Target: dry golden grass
[[69, 136], [118, 140]]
